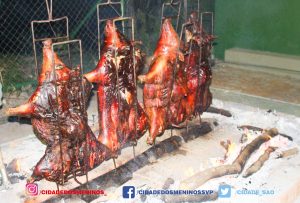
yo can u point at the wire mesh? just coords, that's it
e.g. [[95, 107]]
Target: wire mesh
[[16, 51]]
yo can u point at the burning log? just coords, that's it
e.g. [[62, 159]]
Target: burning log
[[289, 152], [259, 163], [236, 167]]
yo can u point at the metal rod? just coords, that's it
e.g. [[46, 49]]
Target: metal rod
[[172, 5], [123, 19], [212, 21], [50, 20], [133, 150], [49, 9], [115, 165], [83, 107], [57, 116]]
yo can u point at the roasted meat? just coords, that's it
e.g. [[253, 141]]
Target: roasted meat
[[58, 114], [197, 49], [65, 158], [118, 109], [159, 82]]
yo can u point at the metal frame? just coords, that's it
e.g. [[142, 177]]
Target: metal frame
[[184, 26], [212, 20], [185, 2], [82, 108], [113, 6], [172, 5], [211, 14], [131, 19], [34, 39]]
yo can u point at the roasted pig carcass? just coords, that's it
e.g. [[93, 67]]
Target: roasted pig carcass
[[197, 49], [114, 75], [58, 114], [159, 82], [178, 104], [65, 158], [50, 95]]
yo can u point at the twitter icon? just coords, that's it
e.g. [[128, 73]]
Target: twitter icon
[[224, 191]]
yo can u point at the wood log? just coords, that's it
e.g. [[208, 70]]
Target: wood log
[[289, 152], [254, 128], [222, 112], [236, 167], [260, 162]]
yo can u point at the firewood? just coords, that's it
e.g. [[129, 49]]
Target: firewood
[[236, 167], [288, 152], [254, 128], [222, 112], [259, 163]]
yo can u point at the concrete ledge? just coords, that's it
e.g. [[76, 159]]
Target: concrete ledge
[[256, 101], [276, 71], [263, 59]]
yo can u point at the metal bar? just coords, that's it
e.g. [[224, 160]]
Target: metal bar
[[131, 19], [212, 21], [198, 5], [66, 42], [184, 25], [34, 50], [134, 73], [49, 8], [57, 118], [185, 9], [83, 107], [177, 10], [52, 20], [211, 31], [54, 38]]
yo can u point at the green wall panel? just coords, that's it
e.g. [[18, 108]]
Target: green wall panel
[[266, 25]]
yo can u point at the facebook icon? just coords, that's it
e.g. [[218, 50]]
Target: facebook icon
[[128, 192]]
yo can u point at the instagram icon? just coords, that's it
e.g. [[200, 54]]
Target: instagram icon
[[32, 189]]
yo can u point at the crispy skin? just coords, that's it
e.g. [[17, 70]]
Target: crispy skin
[[198, 71], [159, 82], [58, 113], [117, 95]]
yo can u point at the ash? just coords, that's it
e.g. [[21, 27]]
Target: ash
[[281, 175]]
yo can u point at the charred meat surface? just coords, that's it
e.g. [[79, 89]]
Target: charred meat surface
[[58, 113], [119, 112], [197, 49], [159, 82]]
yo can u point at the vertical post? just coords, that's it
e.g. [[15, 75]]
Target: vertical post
[[122, 8], [185, 12]]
